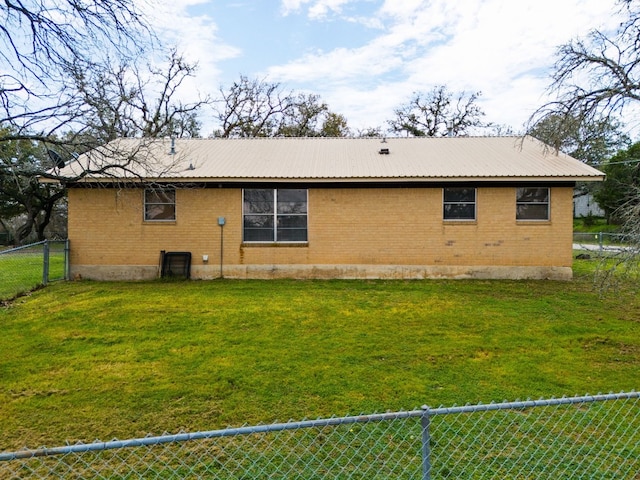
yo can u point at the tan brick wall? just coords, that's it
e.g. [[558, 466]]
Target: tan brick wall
[[392, 226]]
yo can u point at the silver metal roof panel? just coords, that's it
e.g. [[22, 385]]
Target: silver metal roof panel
[[332, 159]]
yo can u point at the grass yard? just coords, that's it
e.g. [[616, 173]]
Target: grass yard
[[87, 360], [593, 225]]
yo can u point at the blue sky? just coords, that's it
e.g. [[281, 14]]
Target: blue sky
[[366, 57]]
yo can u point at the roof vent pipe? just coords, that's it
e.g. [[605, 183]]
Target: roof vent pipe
[[173, 146], [450, 129]]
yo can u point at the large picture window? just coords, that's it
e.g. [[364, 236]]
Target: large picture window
[[532, 203], [159, 205], [459, 203], [275, 215]]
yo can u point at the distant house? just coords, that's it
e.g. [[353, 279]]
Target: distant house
[[585, 206], [401, 208]]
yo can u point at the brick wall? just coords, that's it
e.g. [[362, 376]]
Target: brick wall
[[384, 227]]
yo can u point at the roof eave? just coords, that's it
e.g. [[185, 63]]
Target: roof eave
[[439, 179]]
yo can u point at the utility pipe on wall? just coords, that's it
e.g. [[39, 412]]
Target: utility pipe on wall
[[221, 222]]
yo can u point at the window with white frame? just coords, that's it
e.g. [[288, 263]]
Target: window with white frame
[[532, 203], [274, 215], [159, 204], [459, 203]]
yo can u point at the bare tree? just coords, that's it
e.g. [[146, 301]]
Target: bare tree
[[127, 101], [369, 132], [623, 264], [38, 42], [438, 113], [72, 78], [257, 108], [252, 108], [596, 78]]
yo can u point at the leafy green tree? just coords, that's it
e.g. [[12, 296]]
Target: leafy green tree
[[620, 188], [334, 125], [301, 116], [591, 142], [22, 196]]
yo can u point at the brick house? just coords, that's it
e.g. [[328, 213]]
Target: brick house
[[459, 207]]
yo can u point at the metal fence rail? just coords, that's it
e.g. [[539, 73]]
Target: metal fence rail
[[567, 438], [603, 241], [24, 268]]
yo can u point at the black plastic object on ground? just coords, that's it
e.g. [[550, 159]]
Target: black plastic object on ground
[[176, 264]]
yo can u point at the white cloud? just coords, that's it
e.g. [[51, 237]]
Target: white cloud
[[503, 49], [318, 8], [292, 6], [193, 35], [196, 38]]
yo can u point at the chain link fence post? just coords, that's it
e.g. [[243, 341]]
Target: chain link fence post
[[425, 420], [600, 241], [67, 251], [45, 263]]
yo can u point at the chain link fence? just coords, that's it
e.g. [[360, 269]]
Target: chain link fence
[[24, 268], [569, 438]]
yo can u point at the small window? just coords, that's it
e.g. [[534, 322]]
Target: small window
[[159, 205], [275, 215], [532, 204], [459, 203]]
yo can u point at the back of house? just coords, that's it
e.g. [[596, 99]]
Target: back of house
[[402, 208]]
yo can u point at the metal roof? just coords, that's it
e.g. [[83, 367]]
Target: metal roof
[[333, 160]]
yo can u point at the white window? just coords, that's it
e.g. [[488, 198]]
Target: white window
[[274, 215], [532, 203]]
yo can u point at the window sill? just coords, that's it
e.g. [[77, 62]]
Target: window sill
[[533, 222], [159, 222], [459, 222], [275, 244]]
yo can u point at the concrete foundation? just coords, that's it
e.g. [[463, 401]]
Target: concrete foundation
[[362, 272]]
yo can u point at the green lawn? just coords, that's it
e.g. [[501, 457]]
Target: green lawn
[[593, 225], [87, 360]]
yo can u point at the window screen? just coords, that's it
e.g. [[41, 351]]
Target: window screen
[[532, 203], [159, 205], [275, 215], [459, 203]]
